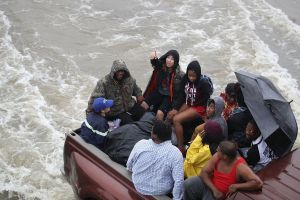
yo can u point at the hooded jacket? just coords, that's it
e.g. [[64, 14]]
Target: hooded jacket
[[175, 80], [200, 86], [217, 116], [120, 92]]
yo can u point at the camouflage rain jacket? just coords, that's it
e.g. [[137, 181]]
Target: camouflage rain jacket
[[120, 92]]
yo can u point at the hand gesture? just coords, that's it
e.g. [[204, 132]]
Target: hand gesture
[[153, 55], [139, 99]]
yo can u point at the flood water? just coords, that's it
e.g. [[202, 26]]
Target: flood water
[[53, 52]]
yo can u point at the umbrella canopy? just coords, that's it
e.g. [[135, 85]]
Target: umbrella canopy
[[271, 112]]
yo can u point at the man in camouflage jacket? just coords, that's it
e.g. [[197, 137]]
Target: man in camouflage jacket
[[120, 86]]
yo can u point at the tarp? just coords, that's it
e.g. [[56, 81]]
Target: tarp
[[122, 140]]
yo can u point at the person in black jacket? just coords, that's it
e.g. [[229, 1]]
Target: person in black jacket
[[95, 127], [162, 92], [195, 92]]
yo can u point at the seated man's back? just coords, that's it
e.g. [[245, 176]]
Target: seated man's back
[[157, 165]]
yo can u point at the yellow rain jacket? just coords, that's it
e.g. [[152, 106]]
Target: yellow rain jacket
[[196, 157]]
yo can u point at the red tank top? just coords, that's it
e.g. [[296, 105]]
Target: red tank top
[[221, 180]]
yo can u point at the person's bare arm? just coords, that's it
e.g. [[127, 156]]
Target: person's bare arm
[[206, 174], [252, 181]]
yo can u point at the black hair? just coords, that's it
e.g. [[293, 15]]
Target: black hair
[[229, 148], [162, 129], [173, 53], [252, 121], [193, 66], [239, 95], [230, 89], [210, 101]]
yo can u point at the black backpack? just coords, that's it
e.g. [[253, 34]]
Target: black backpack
[[209, 81]]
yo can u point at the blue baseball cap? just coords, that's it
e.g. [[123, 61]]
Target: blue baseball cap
[[102, 103]]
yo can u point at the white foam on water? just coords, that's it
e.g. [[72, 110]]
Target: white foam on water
[[282, 31], [265, 62], [279, 20], [43, 97], [119, 38], [38, 104], [225, 32], [136, 21], [150, 4]]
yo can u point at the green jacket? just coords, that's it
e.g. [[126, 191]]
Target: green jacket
[[120, 92]]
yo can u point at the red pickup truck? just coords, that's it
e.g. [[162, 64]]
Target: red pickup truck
[[94, 176]]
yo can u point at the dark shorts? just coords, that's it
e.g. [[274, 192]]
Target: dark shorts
[[157, 101]]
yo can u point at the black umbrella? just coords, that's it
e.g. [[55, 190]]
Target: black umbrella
[[271, 112]]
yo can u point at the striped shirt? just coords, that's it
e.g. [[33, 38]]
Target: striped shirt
[[157, 169]]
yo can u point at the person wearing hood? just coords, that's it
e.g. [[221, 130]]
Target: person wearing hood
[[214, 112], [195, 93], [120, 87], [202, 148], [162, 92]]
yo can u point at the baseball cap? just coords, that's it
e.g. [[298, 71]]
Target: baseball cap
[[102, 103]]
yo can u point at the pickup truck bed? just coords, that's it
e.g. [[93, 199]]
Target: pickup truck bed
[[94, 176], [281, 180]]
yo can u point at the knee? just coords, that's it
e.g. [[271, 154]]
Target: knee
[[189, 182], [176, 120], [160, 115], [192, 187], [188, 187]]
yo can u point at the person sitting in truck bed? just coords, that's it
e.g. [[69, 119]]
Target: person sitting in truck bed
[[222, 175], [202, 148], [259, 154], [157, 165], [94, 128], [238, 120], [230, 99], [119, 86]]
